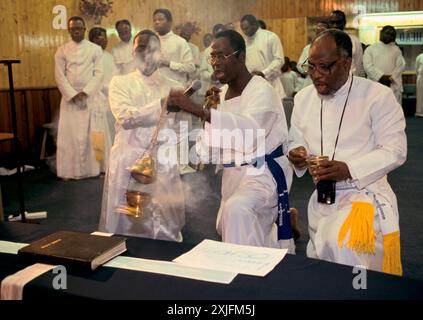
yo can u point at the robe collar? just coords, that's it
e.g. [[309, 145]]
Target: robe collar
[[341, 91]]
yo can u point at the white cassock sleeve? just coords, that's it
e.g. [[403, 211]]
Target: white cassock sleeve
[[296, 137], [387, 120], [128, 115], [206, 70], [96, 81], [372, 72], [399, 67], [186, 64], [66, 89], [261, 116], [273, 69]]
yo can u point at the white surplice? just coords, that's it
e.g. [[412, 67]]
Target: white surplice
[[78, 67], [372, 143], [419, 85], [265, 54], [124, 59], [135, 103], [248, 209], [385, 59]]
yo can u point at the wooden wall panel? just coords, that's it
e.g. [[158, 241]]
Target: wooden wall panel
[[34, 107], [293, 34]]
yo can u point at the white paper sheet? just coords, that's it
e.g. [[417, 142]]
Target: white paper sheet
[[11, 247], [221, 256], [170, 268]]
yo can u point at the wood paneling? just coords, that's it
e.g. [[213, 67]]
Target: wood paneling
[[34, 107], [293, 34]]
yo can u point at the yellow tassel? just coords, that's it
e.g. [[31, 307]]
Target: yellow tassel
[[360, 225], [97, 140], [392, 254]]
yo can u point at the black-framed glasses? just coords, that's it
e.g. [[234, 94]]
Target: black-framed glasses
[[324, 69], [220, 58]]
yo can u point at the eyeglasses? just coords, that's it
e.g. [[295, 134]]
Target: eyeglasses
[[324, 69], [219, 58]]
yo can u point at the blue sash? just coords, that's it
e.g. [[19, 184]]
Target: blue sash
[[283, 220]]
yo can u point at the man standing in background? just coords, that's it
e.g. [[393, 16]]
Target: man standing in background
[[264, 53], [79, 75], [176, 63], [122, 52], [337, 20], [384, 63]]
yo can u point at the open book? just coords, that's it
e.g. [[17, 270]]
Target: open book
[[74, 249]]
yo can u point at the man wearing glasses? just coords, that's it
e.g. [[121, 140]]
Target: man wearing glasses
[[359, 126], [254, 207], [79, 75]]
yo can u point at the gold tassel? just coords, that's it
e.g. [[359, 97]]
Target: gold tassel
[[97, 140], [392, 254], [360, 224]]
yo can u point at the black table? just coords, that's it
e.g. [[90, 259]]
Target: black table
[[295, 277]]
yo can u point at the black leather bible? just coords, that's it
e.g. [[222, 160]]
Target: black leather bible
[[76, 250]]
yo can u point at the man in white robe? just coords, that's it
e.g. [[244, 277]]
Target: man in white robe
[[136, 102], [264, 53], [176, 63], [122, 51], [419, 86], [320, 27], [338, 20], [102, 120], [251, 111], [79, 75], [360, 126], [384, 63], [186, 32]]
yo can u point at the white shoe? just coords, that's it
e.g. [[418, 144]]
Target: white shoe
[[420, 115], [184, 169]]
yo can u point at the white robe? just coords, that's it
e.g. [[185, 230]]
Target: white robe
[[195, 51], [78, 67], [248, 209], [102, 119], [178, 52], [265, 54], [303, 59], [419, 85], [385, 59], [124, 59], [357, 68], [135, 103], [290, 82], [372, 143]]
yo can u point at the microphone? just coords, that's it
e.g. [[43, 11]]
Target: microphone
[[195, 85]]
